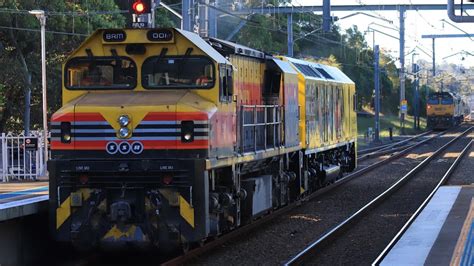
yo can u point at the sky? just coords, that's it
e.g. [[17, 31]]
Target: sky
[[417, 23]]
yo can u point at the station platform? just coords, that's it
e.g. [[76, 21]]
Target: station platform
[[22, 198], [443, 233]]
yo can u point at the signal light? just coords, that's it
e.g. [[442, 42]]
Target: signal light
[[141, 6]]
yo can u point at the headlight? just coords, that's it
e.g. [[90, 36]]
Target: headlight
[[124, 120], [124, 132], [187, 131], [65, 132], [187, 136], [66, 138]]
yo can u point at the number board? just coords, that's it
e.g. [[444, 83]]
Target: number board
[[114, 36], [160, 35]]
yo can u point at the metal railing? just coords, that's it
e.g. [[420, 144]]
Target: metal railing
[[260, 127], [22, 157]]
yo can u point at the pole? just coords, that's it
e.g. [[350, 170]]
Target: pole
[[327, 15], [213, 21], [153, 13], [26, 119], [417, 95], [434, 57], [415, 99], [42, 19], [377, 93], [402, 66], [187, 15], [373, 40], [290, 34]]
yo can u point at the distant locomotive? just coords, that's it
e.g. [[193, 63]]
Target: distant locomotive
[[445, 110], [168, 139]]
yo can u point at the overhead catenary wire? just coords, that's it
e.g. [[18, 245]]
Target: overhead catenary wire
[[48, 31], [65, 13]]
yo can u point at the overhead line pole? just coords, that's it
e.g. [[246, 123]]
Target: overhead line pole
[[353, 8], [377, 93], [402, 67], [434, 57], [357, 8], [433, 38], [290, 34]]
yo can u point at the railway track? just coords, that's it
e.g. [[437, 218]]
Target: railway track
[[405, 227], [391, 147], [407, 146], [323, 249]]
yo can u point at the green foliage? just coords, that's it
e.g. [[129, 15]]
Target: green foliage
[[22, 51]]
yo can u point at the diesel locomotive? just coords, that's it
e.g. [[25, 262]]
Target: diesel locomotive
[[445, 110], [168, 139]]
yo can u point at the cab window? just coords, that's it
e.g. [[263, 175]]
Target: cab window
[[447, 100], [100, 73], [433, 101], [163, 72]]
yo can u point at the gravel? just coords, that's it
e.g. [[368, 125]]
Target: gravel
[[276, 242], [366, 239], [462, 175]]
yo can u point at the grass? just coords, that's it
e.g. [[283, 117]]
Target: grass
[[387, 121]]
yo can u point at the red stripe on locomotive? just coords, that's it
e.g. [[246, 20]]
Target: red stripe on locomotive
[[148, 144]]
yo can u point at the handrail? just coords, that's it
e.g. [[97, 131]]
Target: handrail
[[271, 121]]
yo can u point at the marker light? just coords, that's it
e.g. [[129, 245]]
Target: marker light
[[124, 132], [167, 179], [124, 120]]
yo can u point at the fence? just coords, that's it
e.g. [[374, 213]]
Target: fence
[[22, 157]]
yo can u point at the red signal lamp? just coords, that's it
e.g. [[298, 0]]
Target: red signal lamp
[[139, 7]]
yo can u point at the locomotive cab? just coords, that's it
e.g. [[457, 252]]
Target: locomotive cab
[[142, 111]]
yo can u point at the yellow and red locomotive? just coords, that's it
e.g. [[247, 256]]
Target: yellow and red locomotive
[[167, 138], [445, 109]]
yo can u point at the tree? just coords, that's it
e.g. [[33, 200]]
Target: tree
[[21, 52]]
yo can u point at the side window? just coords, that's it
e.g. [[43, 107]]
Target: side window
[[226, 83], [271, 82]]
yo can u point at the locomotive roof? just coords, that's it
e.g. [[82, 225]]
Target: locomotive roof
[[235, 48], [140, 35], [320, 71], [204, 46]]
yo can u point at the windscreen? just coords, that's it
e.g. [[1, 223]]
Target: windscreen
[[447, 99], [107, 73], [433, 100], [161, 72]]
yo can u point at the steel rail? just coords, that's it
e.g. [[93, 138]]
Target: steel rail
[[374, 150], [316, 245], [405, 227], [246, 228]]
